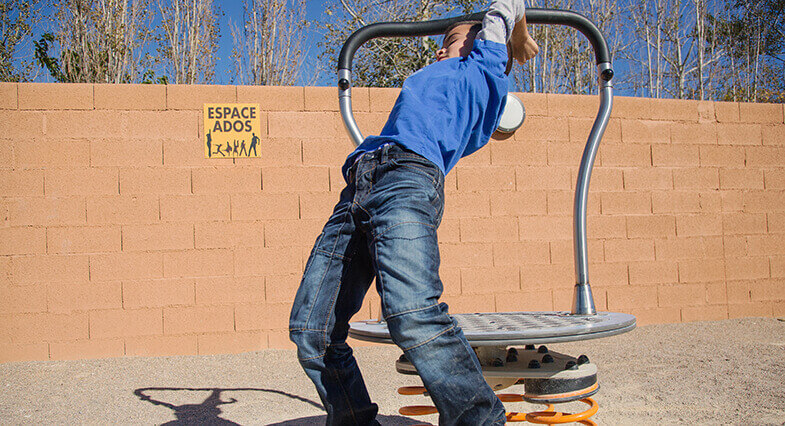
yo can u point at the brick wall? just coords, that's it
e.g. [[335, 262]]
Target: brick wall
[[118, 238]]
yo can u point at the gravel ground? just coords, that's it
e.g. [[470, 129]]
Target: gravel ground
[[720, 372]]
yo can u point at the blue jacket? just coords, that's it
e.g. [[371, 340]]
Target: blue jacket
[[449, 109]]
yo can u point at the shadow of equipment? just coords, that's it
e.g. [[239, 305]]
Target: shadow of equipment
[[208, 413]]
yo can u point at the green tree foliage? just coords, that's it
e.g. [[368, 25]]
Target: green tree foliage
[[17, 19], [149, 77], [96, 41], [753, 35], [385, 62], [44, 59]]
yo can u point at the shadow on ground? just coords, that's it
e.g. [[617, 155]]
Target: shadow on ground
[[209, 413], [320, 420]]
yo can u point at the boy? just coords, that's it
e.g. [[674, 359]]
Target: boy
[[385, 222]]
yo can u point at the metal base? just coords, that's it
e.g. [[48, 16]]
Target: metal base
[[548, 376], [517, 328]]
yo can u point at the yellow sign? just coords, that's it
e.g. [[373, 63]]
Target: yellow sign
[[231, 130]]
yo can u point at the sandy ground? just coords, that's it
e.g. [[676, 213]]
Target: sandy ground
[[724, 372]]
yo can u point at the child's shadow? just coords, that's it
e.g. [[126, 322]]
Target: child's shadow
[[208, 413]]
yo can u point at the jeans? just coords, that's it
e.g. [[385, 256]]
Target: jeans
[[384, 226]]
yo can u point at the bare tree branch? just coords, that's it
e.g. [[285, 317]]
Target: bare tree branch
[[189, 40], [101, 41], [269, 48]]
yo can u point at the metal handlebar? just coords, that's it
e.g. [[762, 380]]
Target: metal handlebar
[[438, 26], [583, 301]]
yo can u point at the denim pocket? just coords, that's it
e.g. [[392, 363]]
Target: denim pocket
[[418, 165]]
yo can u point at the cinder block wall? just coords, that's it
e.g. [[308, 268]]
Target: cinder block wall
[[119, 239]]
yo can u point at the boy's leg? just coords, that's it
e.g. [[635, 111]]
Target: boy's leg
[[406, 206], [337, 276]]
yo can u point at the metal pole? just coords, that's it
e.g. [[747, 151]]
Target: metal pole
[[345, 104], [583, 301]]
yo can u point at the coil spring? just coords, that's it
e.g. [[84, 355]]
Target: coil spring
[[548, 416]]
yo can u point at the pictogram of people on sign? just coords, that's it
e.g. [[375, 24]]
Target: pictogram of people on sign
[[254, 142], [235, 148], [231, 130], [209, 145]]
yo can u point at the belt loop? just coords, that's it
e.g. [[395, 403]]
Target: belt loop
[[385, 155]]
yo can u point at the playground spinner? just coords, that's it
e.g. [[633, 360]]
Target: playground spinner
[[511, 345]]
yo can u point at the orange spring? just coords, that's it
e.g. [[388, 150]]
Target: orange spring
[[548, 416], [412, 390], [415, 410]]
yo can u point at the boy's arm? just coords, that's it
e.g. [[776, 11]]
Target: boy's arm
[[505, 23], [522, 44], [501, 19]]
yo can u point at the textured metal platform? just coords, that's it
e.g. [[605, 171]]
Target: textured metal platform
[[517, 328]]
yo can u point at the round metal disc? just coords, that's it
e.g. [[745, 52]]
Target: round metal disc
[[517, 328], [513, 115]]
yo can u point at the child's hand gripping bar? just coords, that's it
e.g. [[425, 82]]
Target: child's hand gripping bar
[[583, 302]]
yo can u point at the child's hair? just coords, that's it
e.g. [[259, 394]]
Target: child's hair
[[476, 26]]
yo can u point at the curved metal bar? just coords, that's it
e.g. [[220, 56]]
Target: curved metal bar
[[397, 29], [425, 28], [381, 29], [583, 302], [345, 105], [438, 26]]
